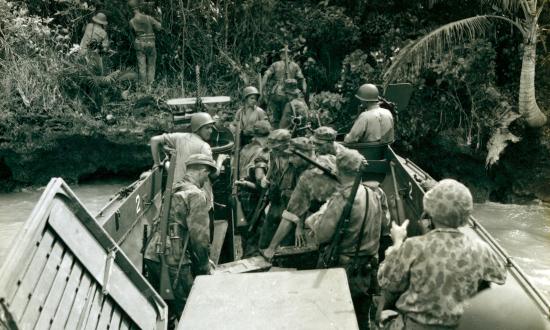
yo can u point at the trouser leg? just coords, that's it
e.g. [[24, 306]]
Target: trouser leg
[[151, 65], [142, 66]]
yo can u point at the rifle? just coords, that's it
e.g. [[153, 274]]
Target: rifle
[[287, 73], [238, 207], [166, 291], [313, 162], [398, 201], [330, 257]]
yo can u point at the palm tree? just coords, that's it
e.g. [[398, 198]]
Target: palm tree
[[413, 56]]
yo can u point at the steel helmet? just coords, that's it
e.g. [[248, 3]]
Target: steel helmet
[[250, 90], [367, 92], [100, 18], [201, 159], [200, 119]]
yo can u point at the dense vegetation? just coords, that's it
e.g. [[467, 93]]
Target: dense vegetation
[[47, 103]]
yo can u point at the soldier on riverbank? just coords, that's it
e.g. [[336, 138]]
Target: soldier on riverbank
[[189, 220], [144, 27], [95, 42], [281, 70]]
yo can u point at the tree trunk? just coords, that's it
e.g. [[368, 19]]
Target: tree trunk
[[528, 107]]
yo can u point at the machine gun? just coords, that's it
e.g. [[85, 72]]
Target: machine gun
[[238, 207], [166, 291], [313, 162], [330, 256]]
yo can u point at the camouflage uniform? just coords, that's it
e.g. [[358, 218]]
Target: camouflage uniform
[[435, 273], [375, 126], [188, 213], [283, 177], [313, 188], [324, 223], [323, 135], [187, 144], [276, 96], [295, 116]]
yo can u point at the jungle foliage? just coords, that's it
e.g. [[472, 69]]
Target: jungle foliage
[[340, 44]]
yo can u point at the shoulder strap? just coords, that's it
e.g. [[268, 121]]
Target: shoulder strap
[[360, 238]]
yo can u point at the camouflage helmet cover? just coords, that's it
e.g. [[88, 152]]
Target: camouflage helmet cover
[[449, 203], [349, 161], [301, 144], [278, 138], [324, 134], [261, 128]]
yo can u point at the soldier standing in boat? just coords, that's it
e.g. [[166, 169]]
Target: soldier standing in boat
[[295, 115], [187, 144], [249, 114], [188, 242], [358, 247], [281, 70], [375, 124], [429, 277], [144, 27]]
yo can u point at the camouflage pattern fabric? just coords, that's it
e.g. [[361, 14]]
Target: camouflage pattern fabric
[[188, 213], [296, 108], [435, 273], [313, 186]]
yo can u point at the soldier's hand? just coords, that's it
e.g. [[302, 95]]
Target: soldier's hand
[[300, 237], [264, 183], [399, 233]]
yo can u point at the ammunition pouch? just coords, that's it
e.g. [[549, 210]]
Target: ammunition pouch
[[174, 243]]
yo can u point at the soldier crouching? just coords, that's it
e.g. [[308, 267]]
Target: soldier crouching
[[189, 226], [357, 248]]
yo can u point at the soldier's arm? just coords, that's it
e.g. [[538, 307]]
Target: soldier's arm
[[301, 78], [198, 224], [357, 131], [156, 24], [326, 223], [266, 77], [86, 38], [156, 143]]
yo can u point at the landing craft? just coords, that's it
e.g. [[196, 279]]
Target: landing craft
[[69, 269]]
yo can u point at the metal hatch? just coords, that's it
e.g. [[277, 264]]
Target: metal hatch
[[311, 299], [65, 271]]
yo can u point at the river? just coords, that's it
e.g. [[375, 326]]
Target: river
[[523, 230]]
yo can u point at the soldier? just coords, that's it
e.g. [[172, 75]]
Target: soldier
[[278, 182], [95, 42], [296, 112], [375, 124], [312, 190], [188, 215], [432, 275], [256, 149], [249, 114], [358, 249], [187, 144], [144, 27], [324, 141], [281, 70]]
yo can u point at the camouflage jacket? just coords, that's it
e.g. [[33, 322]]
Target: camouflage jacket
[[278, 72], [190, 212], [435, 273], [250, 154], [312, 186], [325, 221], [295, 110]]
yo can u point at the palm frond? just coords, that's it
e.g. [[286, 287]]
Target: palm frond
[[504, 4], [413, 56]]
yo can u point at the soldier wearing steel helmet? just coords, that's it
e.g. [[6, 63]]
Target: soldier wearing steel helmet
[[95, 42], [375, 124], [187, 144], [188, 215], [249, 114], [279, 71], [358, 248], [429, 277]]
